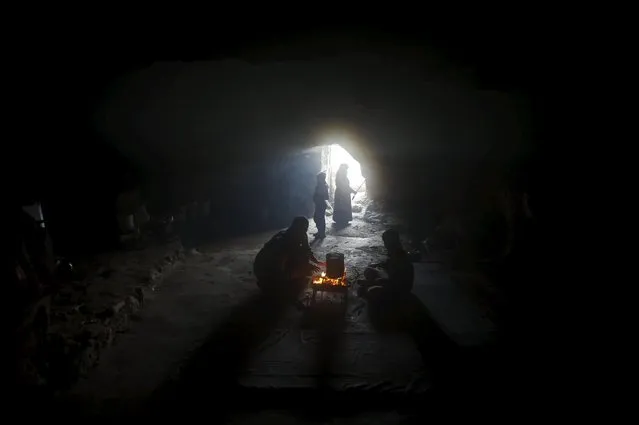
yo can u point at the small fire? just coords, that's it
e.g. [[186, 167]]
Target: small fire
[[322, 279]]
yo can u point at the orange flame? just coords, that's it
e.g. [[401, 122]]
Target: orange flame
[[322, 279]]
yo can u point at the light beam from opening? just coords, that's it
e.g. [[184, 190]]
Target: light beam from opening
[[337, 156]]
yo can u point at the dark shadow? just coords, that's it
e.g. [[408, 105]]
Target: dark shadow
[[408, 314], [212, 372], [327, 318], [208, 382]]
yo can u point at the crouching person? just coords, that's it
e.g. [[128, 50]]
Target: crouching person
[[286, 260], [388, 282]]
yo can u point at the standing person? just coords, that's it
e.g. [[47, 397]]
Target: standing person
[[343, 210], [320, 198]]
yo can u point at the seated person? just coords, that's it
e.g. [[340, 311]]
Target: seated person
[[285, 259], [393, 277]]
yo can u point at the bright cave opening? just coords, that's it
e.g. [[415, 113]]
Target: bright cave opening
[[335, 155]]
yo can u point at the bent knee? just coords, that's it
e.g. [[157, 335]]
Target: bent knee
[[371, 274]]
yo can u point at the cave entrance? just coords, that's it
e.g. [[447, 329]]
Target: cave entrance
[[332, 157]]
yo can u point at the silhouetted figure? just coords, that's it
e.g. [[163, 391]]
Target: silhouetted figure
[[392, 306], [343, 210], [389, 280], [320, 198], [285, 260]]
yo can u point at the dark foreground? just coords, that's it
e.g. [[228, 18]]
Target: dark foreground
[[211, 345]]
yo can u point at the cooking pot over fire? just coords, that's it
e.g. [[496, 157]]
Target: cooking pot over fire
[[334, 265]]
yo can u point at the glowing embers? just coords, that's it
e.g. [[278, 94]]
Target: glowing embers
[[324, 281], [328, 287]]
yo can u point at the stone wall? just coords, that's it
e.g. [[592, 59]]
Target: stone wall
[[87, 315]]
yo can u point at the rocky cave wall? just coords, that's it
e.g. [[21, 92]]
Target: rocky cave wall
[[236, 133], [244, 197]]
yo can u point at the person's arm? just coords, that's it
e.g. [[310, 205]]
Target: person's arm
[[348, 185], [316, 263], [325, 198], [307, 248]]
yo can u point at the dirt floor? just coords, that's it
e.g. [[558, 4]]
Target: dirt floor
[[207, 338]]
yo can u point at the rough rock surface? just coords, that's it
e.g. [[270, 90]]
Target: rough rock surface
[[87, 315], [170, 334]]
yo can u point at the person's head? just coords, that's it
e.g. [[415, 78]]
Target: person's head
[[321, 177], [342, 171], [392, 241], [299, 226]]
